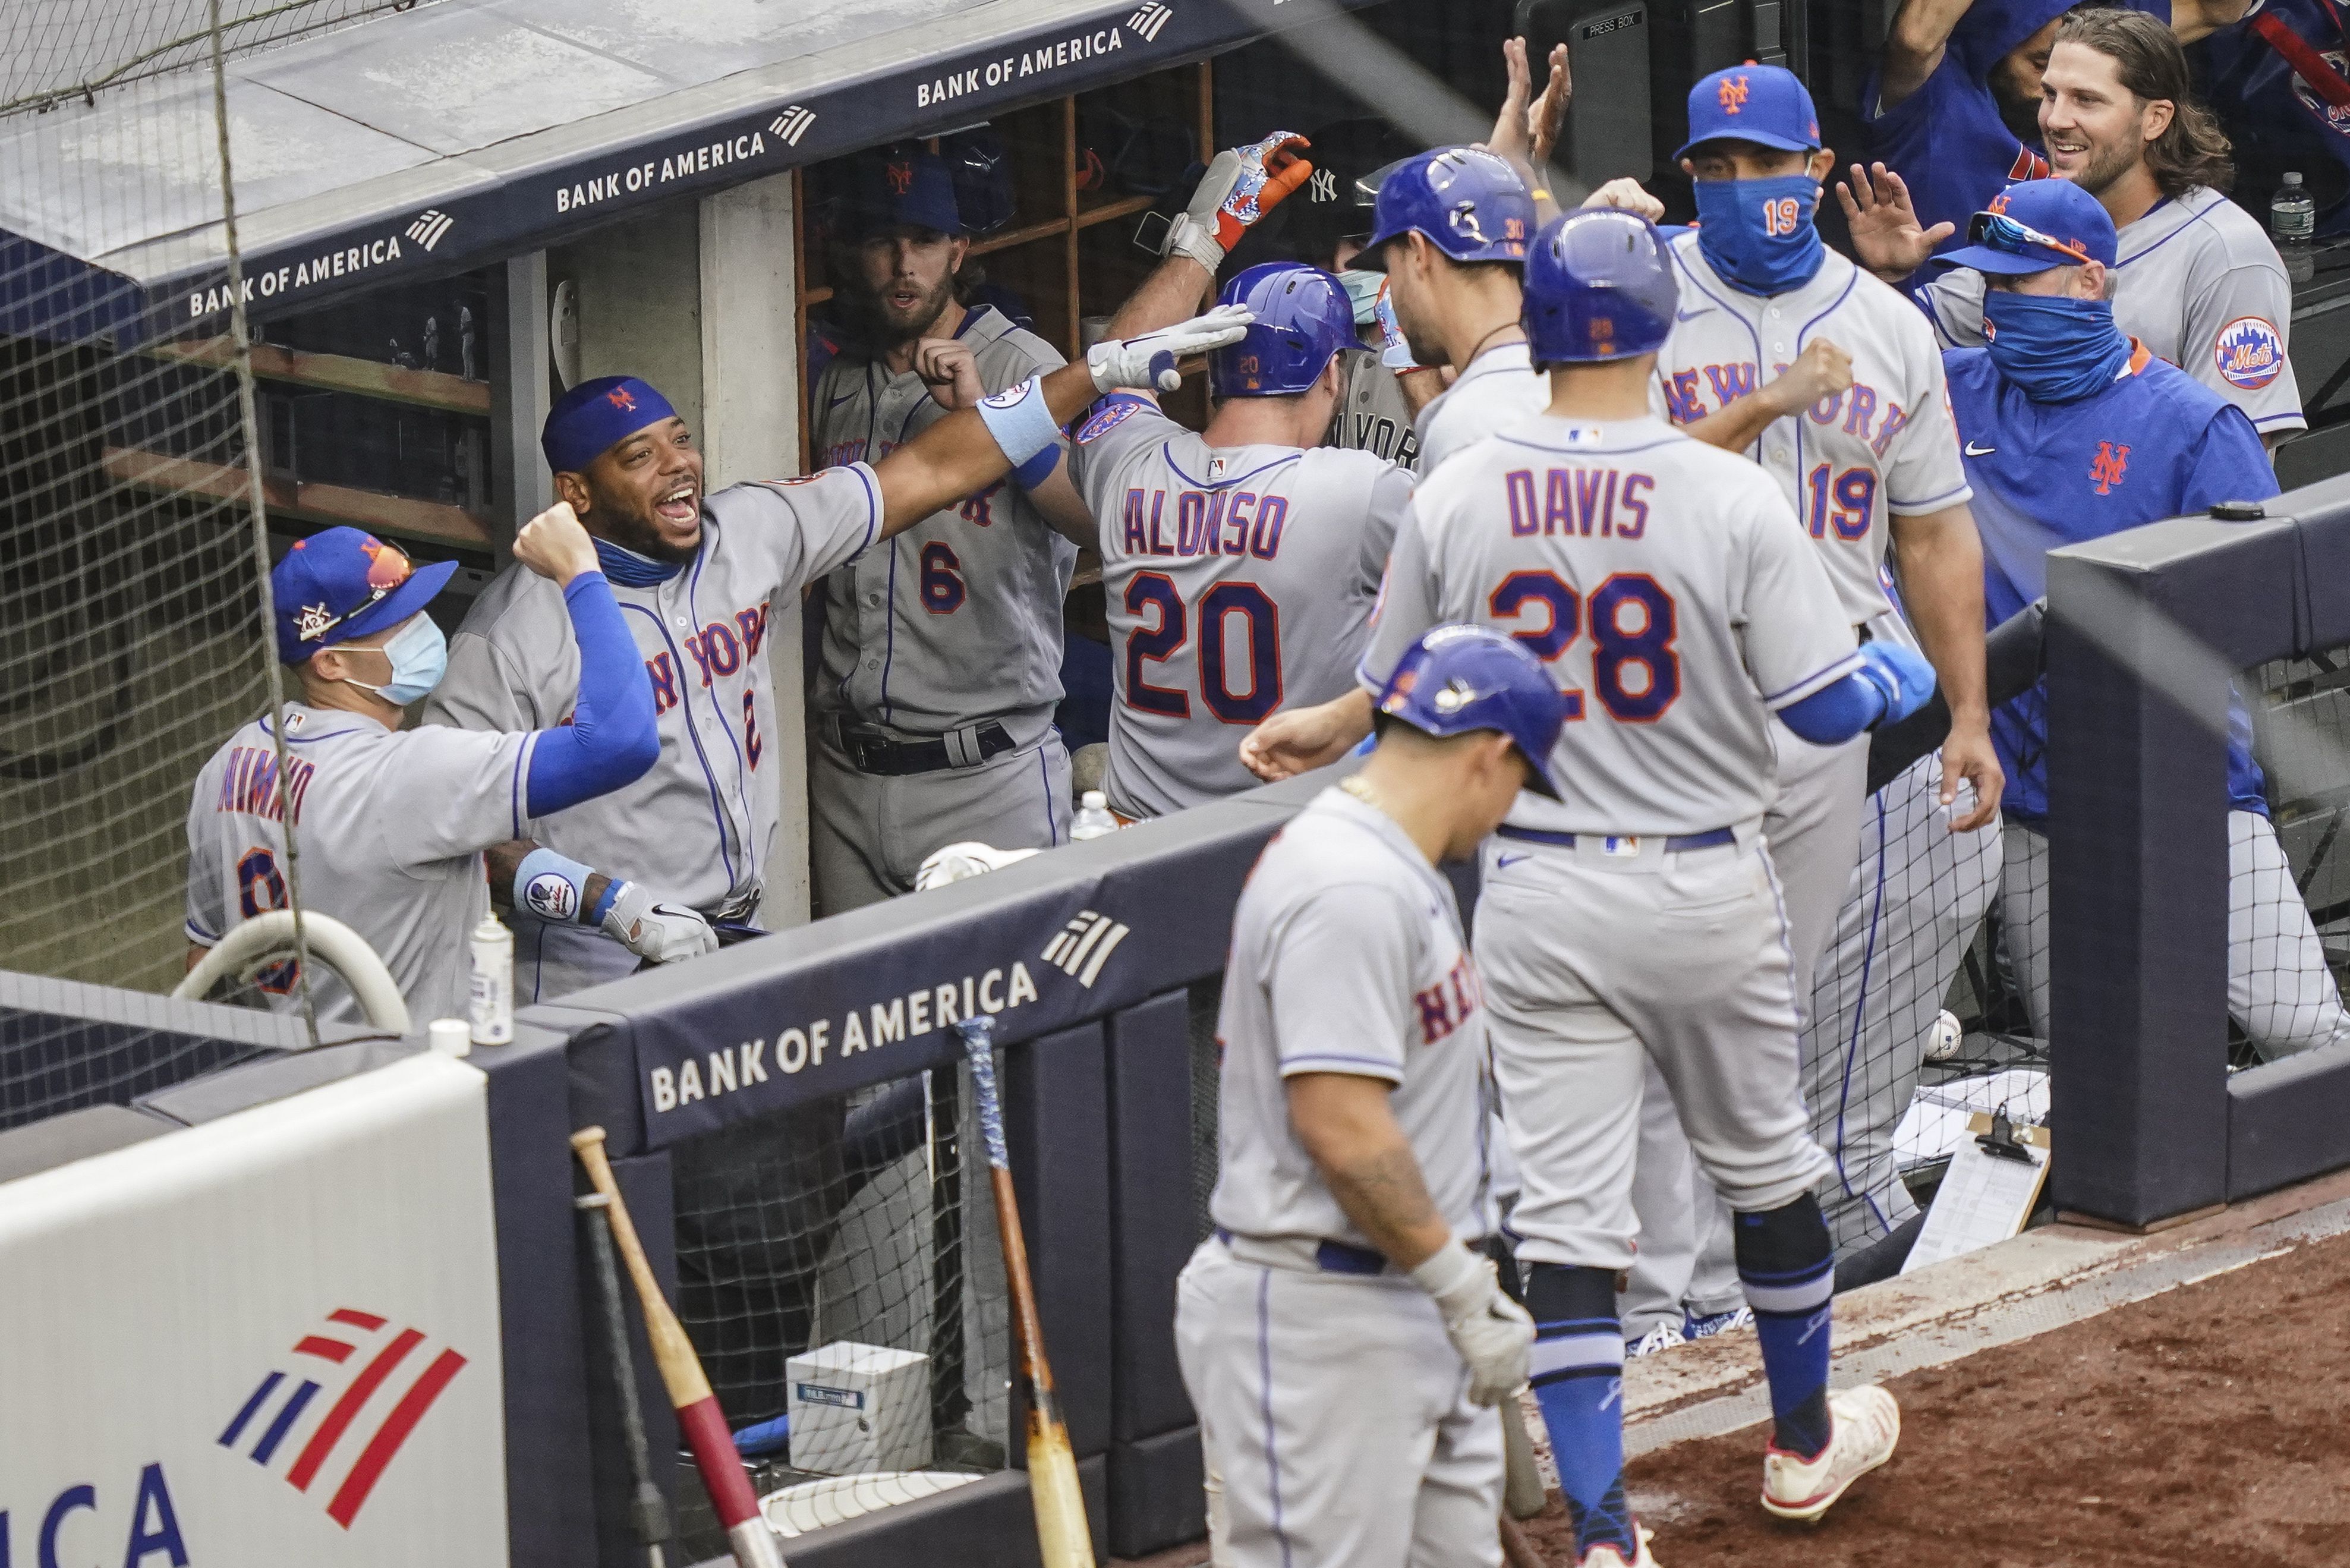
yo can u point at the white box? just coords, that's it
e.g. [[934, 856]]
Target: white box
[[859, 1407]]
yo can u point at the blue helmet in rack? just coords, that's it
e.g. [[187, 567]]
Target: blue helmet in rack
[[1470, 203], [1303, 317], [1598, 286], [1457, 679]]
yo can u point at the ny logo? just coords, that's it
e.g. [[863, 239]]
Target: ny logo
[[1325, 186], [2108, 466], [1732, 93], [1998, 203], [900, 177], [623, 398]]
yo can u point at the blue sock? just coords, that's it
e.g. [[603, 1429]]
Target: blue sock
[[1578, 1381], [1787, 1264]]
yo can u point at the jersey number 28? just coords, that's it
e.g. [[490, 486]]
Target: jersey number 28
[[1260, 616], [1633, 666]]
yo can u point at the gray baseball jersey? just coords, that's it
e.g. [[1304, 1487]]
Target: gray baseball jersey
[[1665, 583], [1372, 416], [958, 618], [392, 827], [2199, 284], [698, 827], [1239, 578], [1885, 446], [1497, 390], [1346, 957]]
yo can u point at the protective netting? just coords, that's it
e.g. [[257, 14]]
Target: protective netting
[[63, 49], [838, 1265]]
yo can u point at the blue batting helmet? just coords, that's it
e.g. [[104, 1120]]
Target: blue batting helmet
[[1470, 203], [1457, 679], [1303, 317], [1598, 286]]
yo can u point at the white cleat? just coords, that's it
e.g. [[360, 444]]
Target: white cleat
[[1866, 1423], [1665, 1336], [1609, 1556]]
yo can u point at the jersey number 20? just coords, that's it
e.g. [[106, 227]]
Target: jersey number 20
[[1632, 631], [1262, 619]]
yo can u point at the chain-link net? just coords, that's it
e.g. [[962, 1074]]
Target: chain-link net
[[59, 50]]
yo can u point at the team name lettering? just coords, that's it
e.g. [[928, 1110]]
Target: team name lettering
[[1855, 410], [1580, 502], [1446, 1005], [660, 171], [1206, 523], [1377, 434], [249, 784], [1044, 58]]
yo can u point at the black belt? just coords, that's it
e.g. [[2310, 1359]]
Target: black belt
[[1674, 846], [1336, 1257], [873, 752]]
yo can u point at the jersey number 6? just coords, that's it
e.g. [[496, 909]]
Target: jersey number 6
[[1632, 631], [1262, 621]]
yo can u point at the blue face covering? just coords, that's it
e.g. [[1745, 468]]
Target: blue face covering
[[1759, 233], [627, 567], [1362, 292], [2056, 350], [419, 655]]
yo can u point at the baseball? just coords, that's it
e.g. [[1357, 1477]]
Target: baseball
[[1942, 1039]]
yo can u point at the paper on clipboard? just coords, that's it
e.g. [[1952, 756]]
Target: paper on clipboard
[[1983, 1198]]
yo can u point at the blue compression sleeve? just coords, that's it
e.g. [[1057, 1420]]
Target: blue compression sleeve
[[1891, 683], [612, 739]]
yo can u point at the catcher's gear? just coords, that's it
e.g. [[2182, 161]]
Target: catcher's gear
[[1457, 679], [664, 933], [1597, 286], [1303, 317], [1241, 186], [1149, 362], [1470, 203]]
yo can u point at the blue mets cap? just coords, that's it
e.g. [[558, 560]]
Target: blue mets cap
[[1761, 104], [595, 416], [342, 584], [898, 187], [2035, 226], [1457, 679]]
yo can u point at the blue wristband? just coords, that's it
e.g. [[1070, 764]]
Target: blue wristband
[[1019, 419], [551, 886], [1037, 469]]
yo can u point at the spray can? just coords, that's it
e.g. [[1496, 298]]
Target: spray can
[[491, 1007]]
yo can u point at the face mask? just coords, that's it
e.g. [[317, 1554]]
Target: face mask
[[419, 656], [2056, 350], [1758, 234], [1362, 292]]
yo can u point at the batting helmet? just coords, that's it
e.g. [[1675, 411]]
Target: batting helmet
[[1303, 317], [1597, 286], [1457, 679], [1470, 203]]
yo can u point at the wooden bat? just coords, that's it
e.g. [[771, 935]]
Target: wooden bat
[[1517, 1552], [1062, 1535], [698, 1420]]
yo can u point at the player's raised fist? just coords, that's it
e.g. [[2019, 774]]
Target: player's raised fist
[[1627, 194], [1821, 371], [950, 370], [554, 545]]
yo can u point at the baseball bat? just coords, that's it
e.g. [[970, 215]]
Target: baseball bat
[[649, 1511], [698, 1420], [1517, 1550], [1062, 1535]]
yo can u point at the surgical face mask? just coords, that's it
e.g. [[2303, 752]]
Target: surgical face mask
[[1759, 233], [2055, 349], [419, 656], [1362, 292]]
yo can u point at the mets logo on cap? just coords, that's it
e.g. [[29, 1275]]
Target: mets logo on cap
[[2250, 352], [1732, 93]]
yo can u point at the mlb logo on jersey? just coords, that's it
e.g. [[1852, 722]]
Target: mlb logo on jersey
[[2105, 470], [2250, 352]]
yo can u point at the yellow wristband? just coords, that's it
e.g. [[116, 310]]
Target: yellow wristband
[[1541, 195]]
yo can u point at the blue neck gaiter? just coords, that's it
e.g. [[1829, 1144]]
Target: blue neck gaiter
[[627, 567], [2056, 350], [1759, 233]]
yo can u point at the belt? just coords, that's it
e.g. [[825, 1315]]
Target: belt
[[874, 752], [1677, 844], [1302, 1251]]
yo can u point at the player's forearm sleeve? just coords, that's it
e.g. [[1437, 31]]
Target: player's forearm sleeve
[[612, 739], [1836, 712]]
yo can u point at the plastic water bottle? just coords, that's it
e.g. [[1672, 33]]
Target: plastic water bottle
[[2293, 223], [1093, 819]]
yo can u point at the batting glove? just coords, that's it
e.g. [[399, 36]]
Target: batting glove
[[1149, 362], [1241, 185], [959, 862], [664, 933], [1492, 1333], [1900, 675], [1396, 354]]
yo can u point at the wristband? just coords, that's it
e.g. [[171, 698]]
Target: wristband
[[1446, 1268], [613, 888], [1019, 421], [549, 885], [1037, 469]]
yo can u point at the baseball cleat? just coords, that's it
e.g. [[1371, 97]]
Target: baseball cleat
[[1866, 1423], [1608, 1555], [1706, 1327], [1664, 1336]]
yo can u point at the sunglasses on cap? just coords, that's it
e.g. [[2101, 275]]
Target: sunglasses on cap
[[311, 627], [2002, 233]]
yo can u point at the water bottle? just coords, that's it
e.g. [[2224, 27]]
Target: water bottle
[[2293, 222], [1093, 819]]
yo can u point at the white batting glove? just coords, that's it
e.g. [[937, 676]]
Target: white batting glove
[[959, 862], [1241, 186], [1492, 1333], [664, 933], [1148, 362]]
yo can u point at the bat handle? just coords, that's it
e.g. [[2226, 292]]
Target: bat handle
[[979, 1047]]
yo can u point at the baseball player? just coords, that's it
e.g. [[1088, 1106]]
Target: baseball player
[[1341, 1337], [694, 575], [940, 661], [1679, 606], [2075, 432], [2195, 279], [393, 822]]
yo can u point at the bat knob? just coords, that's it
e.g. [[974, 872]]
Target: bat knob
[[587, 1137], [978, 1029]]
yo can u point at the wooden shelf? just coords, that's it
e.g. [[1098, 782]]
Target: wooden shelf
[[369, 509], [338, 373], [1124, 206]]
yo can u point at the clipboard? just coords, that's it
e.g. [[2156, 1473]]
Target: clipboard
[[1993, 1184]]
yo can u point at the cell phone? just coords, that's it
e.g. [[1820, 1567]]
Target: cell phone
[[1606, 135]]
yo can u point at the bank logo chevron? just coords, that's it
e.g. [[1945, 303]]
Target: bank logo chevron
[[431, 227], [1080, 948], [357, 1358], [791, 124], [1150, 19]]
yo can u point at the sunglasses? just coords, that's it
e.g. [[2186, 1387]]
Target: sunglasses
[[2002, 233]]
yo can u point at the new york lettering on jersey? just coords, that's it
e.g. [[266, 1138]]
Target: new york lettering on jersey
[[1238, 578], [1885, 445]]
